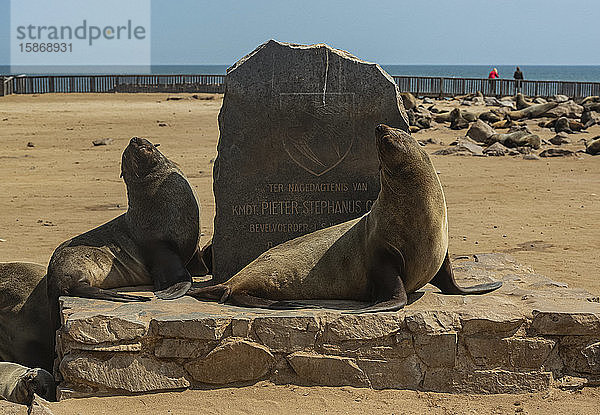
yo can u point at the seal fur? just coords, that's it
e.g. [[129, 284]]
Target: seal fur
[[25, 328], [150, 244], [18, 383], [26, 336], [392, 251]]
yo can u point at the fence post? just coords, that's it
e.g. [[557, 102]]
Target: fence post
[[441, 87], [1, 86]]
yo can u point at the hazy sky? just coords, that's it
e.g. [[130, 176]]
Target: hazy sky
[[534, 32]]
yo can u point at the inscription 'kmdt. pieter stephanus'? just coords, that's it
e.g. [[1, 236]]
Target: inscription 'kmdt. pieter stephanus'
[[296, 150]]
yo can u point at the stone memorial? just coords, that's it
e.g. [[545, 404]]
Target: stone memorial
[[296, 149]]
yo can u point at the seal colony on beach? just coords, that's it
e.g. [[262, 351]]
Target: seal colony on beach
[[151, 244], [380, 258]]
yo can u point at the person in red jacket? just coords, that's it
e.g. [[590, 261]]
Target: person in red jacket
[[494, 74], [492, 77]]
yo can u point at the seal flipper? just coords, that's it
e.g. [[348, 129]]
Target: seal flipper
[[385, 274], [246, 300], [201, 262], [171, 279], [87, 291], [195, 266], [217, 292], [223, 294], [444, 280]]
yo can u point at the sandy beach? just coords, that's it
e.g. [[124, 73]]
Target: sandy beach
[[544, 212]]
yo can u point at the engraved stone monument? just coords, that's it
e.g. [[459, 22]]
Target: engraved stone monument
[[296, 150]]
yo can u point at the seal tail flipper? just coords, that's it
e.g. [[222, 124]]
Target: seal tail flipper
[[246, 300], [219, 293], [222, 294], [389, 305], [444, 280], [87, 291]]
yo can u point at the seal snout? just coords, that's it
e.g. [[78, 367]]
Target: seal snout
[[139, 158], [381, 129], [140, 142]]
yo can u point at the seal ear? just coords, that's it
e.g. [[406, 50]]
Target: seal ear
[[385, 274]]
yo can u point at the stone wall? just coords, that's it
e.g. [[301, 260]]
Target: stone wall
[[522, 338]]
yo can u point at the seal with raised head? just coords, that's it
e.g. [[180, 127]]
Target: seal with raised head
[[18, 383], [380, 258], [26, 335], [150, 244]]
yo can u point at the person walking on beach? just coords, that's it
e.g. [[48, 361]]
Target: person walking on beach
[[518, 75], [492, 77]]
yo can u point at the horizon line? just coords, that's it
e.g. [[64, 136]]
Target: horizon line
[[403, 64]]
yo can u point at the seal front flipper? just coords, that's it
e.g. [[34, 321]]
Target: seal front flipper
[[171, 279], [385, 275], [201, 262], [444, 280]]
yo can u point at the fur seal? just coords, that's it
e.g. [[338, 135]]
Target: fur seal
[[392, 251], [18, 383], [152, 243], [26, 335]]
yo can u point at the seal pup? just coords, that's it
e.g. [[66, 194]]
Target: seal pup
[[392, 251], [26, 335], [149, 244], [18, 383]]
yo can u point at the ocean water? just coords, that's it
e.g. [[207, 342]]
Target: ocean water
[[533, 72], [538, 72]]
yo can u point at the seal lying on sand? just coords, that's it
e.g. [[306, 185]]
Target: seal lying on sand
[[395, 249], [152, 243], [26, 335], [19, 383]]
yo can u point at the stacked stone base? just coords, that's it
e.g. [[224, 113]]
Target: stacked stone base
[[522, 338]]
